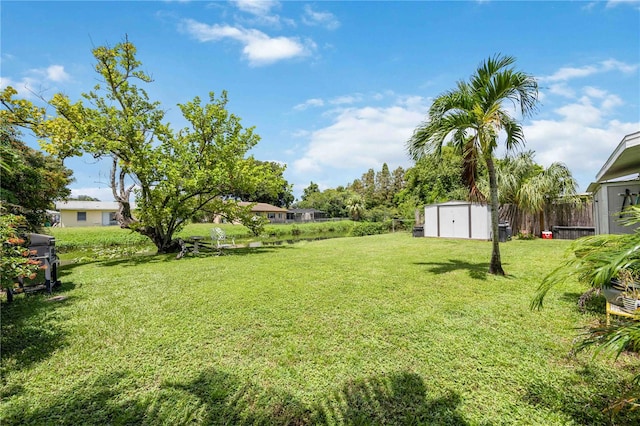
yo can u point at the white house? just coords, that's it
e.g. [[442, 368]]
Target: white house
[[87, 213]]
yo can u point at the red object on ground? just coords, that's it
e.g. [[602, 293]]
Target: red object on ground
[[547, 235]]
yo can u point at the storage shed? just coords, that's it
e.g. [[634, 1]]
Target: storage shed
[[617, 186], [458, 219]]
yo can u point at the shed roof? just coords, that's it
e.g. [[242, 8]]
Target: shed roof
[[624, 161], [87, 205]]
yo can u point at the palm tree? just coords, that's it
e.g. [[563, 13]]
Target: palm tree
[[531, 188], [474, 114], [355, 205]]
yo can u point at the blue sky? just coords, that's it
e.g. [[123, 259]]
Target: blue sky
[[336, 88]]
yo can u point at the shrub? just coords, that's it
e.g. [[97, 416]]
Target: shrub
[[360, 229], [14, 262]]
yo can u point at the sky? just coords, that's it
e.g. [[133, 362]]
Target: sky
[[335, 88]]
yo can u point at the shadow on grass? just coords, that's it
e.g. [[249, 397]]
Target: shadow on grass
[[94, 401], [595, 304], [584, 396], [396, 399], [214, 397], [31, 329], [144, 259], [478, 271]]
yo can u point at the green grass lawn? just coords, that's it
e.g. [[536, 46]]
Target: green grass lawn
[[385, 329]]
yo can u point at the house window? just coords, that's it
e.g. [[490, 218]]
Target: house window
[[112, 218], [271, 215], [82, 217]]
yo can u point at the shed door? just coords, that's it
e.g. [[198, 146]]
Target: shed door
[[105, 219], [454, 221]]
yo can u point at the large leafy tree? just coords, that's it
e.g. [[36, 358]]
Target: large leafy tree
[[473, 116], [263, 192], [172, 174], [31, 181]]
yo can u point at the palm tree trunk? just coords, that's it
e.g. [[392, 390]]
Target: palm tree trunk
[[495, 267]]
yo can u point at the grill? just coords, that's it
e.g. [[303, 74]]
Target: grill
[[44, 247]]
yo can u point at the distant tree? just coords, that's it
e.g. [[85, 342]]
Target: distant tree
[[172, 174], [435, 179], [310, 190], [369, 188], [397, 180], [355, 206], [31, 181], [474, 115], [331, 201], [383, 185], [84, 198]]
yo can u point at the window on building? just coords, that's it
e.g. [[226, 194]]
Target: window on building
[[82, 217]]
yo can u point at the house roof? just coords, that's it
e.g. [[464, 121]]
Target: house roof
[[305, 211], [624, 161], [263, 207], [87, 205]]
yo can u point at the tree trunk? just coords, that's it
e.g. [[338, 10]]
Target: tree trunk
[[163, 242], [495, 267]]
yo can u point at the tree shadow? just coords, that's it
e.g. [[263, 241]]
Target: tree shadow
[[397, 399], [171, 257], [478, 271], [585, 397], [30, 330], [214, 397], [94, 401]]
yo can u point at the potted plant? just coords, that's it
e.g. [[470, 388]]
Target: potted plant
[[629, 280]]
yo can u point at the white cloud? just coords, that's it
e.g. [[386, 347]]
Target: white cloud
[[259, 48], [613, 65], [27, 87], [562, 89], [594, 92], [256, 7], [56, 73], [361, 138], [315, 102], [315, 18], [36, 80], [261, 12], [614, 3], [344, 100], [582, 147], [582, 135], [570, 73]]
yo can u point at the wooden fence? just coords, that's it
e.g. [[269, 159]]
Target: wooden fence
[[557, 214]]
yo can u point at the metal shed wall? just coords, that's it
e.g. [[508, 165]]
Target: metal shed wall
[[608, 205], [457, 219]]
